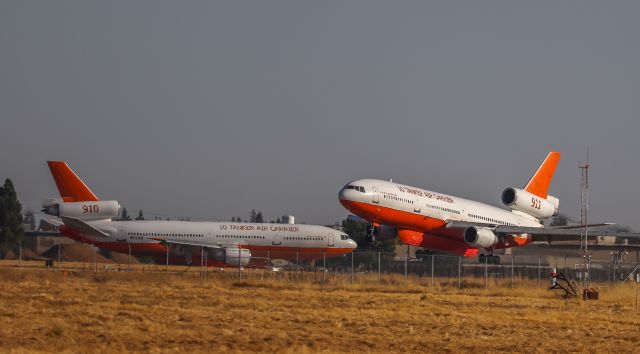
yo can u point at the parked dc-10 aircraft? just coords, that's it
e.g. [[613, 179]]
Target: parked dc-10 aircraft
[[441, 222], [86, 218]]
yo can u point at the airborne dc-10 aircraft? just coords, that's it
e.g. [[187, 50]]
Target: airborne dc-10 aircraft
[[84, 217], [455, 225]]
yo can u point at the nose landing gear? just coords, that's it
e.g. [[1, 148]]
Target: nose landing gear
[[489, 259]]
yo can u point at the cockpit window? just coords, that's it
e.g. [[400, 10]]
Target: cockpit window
[[358, 188], [344, 237]]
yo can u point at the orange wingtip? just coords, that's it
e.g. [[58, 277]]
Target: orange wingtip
[[70, 186], [541, 180]]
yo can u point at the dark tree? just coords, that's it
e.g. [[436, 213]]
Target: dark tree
[[124, 216], [238, 219], [140, 216], [259, 217], [11, 231], [357, 231], [278, 221], [559, 220], [253, 215], [233, 219]]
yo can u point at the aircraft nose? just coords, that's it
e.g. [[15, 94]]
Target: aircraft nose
[[349, 193], [352, 244], [343, 194]]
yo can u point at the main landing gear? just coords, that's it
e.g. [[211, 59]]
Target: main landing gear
[[372, 232], [489, 259]]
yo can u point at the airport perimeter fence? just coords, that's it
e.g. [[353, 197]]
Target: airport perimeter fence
[[375, 266]]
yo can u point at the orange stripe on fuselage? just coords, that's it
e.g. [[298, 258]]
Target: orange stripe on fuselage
[[423, 231], [401, 219]]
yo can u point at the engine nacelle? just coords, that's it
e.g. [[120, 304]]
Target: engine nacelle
[[231, 256], [521, 200], [480, 237], [94, 210], [555, 202]]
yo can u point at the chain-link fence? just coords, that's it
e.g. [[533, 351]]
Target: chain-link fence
[[369, 265]]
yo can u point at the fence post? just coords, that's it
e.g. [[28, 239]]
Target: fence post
[[166, 266], [512, 271], [486, 271], [129, 259], [406, 265], [432, 265], [58, 242], [324, 267], [459, 271], [240, 262], [352, 270], [20, 254], [93, 248], [297, 264], [206, 264], [379, 273], [539, 268]]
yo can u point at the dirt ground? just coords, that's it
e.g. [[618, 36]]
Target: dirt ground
[[57, 311]]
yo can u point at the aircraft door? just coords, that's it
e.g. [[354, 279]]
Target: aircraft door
[[416, 205], [375, 196], [330, 241]]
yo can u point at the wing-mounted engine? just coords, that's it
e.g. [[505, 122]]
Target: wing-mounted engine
[[480, 237], [89, 210], [231, 256], [531, 204]]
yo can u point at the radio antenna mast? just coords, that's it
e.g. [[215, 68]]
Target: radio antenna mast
[[584, 220]]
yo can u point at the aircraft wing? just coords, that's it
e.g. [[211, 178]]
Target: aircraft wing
[[79, 225], [547, 234], [189, 244]]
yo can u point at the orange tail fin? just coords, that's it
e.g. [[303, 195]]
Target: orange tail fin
[[70, 186], [540, 181]]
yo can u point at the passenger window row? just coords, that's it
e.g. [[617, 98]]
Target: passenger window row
[[243, 237], [443, 209], [399, 199], [306, 238], [162, 234], [495, 221]]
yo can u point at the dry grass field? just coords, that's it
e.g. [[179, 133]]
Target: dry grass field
[[57, 311]]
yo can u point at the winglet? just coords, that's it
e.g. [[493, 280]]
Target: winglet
[[540, 181], [70, 186]]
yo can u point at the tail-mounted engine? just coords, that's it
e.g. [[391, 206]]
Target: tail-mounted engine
[[90, 210], [531, 204], [480, 237]]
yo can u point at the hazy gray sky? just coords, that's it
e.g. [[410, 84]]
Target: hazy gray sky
[[210, 108]]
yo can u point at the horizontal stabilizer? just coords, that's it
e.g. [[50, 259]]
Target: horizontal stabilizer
[[83, 227]]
